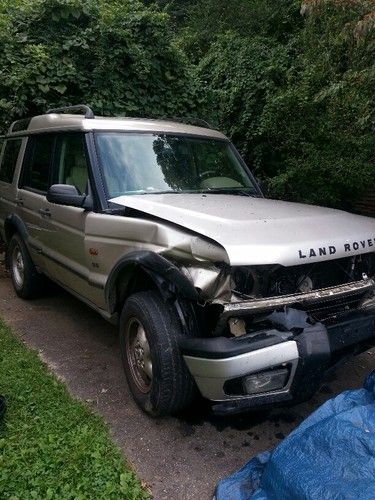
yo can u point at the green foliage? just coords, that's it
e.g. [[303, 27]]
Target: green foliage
[[52, 447], [208, 20], [241, 86], [292, 87], [323, 121], [301, 106], [116, 56]]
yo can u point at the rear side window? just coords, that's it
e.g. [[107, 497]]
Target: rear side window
[[38, 162], [10, 156]]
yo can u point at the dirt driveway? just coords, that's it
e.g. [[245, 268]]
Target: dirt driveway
[[179, 458]]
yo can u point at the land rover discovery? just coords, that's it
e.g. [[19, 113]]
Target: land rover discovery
[[161, 228]]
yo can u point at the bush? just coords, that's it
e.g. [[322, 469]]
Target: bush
[[293, 87], [115, 56], [300, 106], [322, 122], [241, 76]]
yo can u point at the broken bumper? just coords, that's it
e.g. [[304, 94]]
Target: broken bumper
[[227, 370], [256, 306]]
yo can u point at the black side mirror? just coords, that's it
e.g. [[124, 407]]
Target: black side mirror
[[65, 194]]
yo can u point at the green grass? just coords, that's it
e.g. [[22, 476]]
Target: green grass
[[52, 446]]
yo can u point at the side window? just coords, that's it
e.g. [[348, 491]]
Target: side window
[[10, 156], [38, 161], [71, 162]]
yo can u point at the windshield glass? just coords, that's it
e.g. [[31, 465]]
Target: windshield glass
[[160, 163]]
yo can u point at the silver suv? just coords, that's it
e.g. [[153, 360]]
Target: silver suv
[[161, 228]]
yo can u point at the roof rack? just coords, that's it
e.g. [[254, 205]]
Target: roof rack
[[20, 125], [190, 120], [78, 107]]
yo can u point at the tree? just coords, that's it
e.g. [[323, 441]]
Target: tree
[[300, 106], [116, 56]]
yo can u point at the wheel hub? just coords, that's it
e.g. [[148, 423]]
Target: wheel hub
[[18, 266], [139, 355]]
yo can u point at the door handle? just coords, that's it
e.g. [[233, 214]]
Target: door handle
[[45, 212], [19, 202]]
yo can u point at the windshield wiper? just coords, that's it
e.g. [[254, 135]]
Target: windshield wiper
[[240, 192], [161, 192], [237, 191]]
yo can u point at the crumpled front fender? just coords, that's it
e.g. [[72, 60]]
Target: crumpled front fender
[[161, 271]]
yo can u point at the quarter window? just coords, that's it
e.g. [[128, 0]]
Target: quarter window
[[38, 162], [10, 156]]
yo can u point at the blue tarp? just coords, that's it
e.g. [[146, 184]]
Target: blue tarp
[[331, 455]]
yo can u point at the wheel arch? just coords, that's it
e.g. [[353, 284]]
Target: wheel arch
[[145, 270], [14, 224]]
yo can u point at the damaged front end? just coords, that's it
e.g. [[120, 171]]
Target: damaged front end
[[275, 331]]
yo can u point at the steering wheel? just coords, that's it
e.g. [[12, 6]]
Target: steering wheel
[[207, 174]]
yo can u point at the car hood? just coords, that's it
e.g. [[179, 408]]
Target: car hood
[[261, 231]]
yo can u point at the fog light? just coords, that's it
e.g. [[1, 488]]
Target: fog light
[[265, 381]]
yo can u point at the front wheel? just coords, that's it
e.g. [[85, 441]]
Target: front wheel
[[156, 372]]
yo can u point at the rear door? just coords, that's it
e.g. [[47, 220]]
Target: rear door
[[8, 191], [32, 189]]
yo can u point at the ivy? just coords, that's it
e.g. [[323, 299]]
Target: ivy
[[290, 82], [116, 56], [299, 104]]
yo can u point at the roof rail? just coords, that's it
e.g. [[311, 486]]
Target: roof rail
[[79, 107], [190, 120], [20, 125]]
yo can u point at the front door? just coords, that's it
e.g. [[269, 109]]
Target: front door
[[64, 239]]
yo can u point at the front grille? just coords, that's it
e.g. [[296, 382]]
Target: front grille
[[275, 281], [308, 277], [331, 310], [327, 274], [272, 282]]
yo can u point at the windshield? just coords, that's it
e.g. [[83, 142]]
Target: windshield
[[160, 163]]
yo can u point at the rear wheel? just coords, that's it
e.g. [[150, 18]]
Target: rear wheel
[[27, 282], [155, 369]]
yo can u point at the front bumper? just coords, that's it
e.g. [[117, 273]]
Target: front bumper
[[306, 354]]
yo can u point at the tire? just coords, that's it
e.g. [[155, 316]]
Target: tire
[[165, 386], [26, 280]]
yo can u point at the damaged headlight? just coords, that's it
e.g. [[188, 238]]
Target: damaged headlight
[[244, 280], [212, 281]]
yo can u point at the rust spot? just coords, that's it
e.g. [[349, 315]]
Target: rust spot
[[93, 251]]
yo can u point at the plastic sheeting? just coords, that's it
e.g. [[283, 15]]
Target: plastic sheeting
[[331, 455]]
